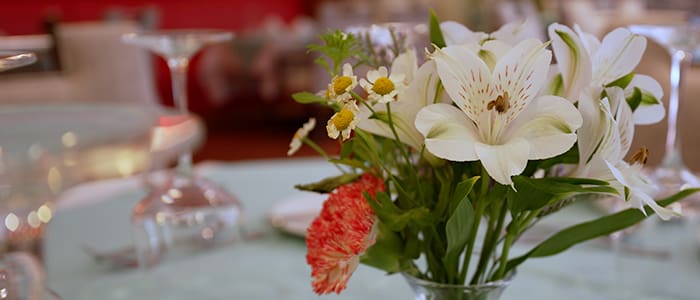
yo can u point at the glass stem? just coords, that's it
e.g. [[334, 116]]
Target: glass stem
[[673, 158], [178, 74]]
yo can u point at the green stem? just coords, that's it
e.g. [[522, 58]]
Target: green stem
[[491, 239], [480, 206], [504, 256], [400, 145], [322, 152]]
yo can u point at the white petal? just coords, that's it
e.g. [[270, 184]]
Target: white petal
[[448, 133], [648, 114], [347, 70], [406, 63], [618, 55], [623, 118], [457, 34], [466, 79], [402, 118], [504, 161], [549, 125], [590, 42], [514, 32], [594, 126], [522, 72], [372, 75], [572, 58], [647, 83]]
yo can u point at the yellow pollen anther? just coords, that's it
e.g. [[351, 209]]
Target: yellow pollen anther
[[501, 104], [640, 156], [342, 119], [341, 83], [383, 86]]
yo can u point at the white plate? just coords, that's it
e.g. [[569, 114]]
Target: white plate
[[295, 213]]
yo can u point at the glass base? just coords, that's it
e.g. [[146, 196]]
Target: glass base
[[185, 216], [672, 180], [428, 290]]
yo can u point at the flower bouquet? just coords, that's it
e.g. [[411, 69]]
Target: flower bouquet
[[449, 154]]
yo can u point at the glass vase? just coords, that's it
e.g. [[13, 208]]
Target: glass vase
[[428, 290]]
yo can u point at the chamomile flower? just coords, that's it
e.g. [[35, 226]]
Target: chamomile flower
[[381, 87], [300, 135], [341, 85], [344, 121]]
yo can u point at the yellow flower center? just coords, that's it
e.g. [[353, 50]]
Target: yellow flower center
[[342, 119], [340, 84], [383, 86]]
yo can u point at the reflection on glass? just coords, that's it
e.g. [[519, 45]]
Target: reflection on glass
[[679, 41], [12, 59], [186, 213]]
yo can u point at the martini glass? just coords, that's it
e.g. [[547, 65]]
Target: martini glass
[[680, 41], [187, 212]]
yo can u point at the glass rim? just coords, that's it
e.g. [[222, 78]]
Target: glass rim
[[489, 285], [180, 32]]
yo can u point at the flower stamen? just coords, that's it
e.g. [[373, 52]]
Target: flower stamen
[[501, 104], [341, 83], [342, 119], [383, 86], [640, 156]]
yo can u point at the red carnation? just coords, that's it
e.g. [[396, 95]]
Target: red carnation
[[341, 233]]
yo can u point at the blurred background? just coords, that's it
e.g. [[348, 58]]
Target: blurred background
[[242, 89]]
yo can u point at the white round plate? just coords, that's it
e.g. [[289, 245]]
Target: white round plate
[[294, 214]]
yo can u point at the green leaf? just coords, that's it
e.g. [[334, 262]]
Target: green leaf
[[386, 252], [354, 163], [460, 222], [602, 226], [635, 99], [535, 193], [622, 82], [395, 218], [436, 37], [307, 98], [329, 184]]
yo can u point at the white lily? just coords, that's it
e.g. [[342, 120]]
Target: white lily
[[422, 90], [498, 118], [584, 61], [604, 140]]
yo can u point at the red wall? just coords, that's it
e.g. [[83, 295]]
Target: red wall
[[25, 16]]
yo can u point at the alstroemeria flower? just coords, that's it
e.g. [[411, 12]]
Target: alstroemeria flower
[[300, 135], [343, 121], [604, 140], [341, 85], [341, 234], [584, 61], [382, 87], [498, 118], [511, 33], [422, 90]]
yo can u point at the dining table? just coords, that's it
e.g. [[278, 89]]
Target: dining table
[[272, 265]]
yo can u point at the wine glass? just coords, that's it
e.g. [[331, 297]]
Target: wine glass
[[187, 212], [680, 41]]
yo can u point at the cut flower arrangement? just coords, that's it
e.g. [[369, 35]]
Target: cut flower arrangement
[[449, 154]]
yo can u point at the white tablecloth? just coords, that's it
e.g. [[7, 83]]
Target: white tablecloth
[[274, 267]]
